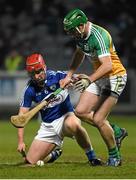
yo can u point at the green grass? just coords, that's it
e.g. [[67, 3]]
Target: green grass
[[73, 162]]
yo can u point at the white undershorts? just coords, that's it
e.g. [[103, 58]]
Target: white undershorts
[[112, 86], [52, 132]]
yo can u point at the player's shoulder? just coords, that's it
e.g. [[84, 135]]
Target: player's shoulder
[[50, 72], [30, 86], [97, 30], [100, 34], [55, 74]]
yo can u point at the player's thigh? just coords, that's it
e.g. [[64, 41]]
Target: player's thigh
[[39, 150], [87, 102], [70, 126], [104, 107]]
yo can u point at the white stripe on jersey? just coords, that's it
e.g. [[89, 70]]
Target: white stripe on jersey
[[62, 72], [100, 40]]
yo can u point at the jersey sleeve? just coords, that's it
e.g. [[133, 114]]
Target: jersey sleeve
[[102, 43], [27, 97]]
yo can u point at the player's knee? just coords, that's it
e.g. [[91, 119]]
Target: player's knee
[[98, 121], [73, 126], [27, 161], [79, 112]]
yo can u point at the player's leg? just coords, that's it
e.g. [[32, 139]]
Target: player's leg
[[88, 102], [72, 127], [39, 150], [54, 155], [117, 85], [119, 133], [50, 158], [45, 144], [99, 119]]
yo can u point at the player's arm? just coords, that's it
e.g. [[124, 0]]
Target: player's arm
[[104, 68], [102, 46], [77, 59], [21, 145], [84, 81]]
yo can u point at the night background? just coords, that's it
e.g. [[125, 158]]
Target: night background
[[36, 26]]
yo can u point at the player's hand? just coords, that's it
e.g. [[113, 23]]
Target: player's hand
[[21, 147], [64, 83], [82, 83]]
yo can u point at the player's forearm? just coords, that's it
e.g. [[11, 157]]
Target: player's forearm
[[20, 135], [76, 61], [22, 110], [100, 72]]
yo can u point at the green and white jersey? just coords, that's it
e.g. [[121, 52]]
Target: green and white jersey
[[98, 44]]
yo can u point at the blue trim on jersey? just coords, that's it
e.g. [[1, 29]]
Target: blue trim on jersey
[[33, 94]]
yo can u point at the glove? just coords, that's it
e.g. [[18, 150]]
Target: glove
[[82, 83]]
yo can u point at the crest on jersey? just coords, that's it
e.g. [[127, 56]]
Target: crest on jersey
[[53, 87], [86, 47]]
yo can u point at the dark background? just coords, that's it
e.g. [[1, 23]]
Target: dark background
[[36, 25]]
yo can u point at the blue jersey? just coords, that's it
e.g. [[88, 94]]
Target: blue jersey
[[58, 107]]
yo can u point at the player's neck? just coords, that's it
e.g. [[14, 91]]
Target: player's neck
[[88, 29]]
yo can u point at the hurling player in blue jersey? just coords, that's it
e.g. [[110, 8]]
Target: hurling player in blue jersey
[[58, 119]]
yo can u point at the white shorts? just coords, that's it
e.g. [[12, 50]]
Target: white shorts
[[112, 86], [52, 132]]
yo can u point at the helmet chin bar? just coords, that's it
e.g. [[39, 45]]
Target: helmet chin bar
[[81, 32]]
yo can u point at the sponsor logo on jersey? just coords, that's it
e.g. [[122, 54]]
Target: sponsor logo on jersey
[[57, 100]]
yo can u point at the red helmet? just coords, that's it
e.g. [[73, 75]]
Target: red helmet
[[35, 62]]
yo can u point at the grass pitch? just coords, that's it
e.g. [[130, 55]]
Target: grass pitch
[[73, 162]]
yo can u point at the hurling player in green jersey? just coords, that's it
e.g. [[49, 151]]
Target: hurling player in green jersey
[[101, 88]]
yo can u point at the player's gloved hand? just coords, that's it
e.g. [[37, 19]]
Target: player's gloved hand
[[82, 83]]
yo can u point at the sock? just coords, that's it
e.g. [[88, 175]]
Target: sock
[[53, 156], [114, 153], [90, 155], [117, 130]]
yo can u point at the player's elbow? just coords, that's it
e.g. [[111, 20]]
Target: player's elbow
[[106, 64], [109, 67]]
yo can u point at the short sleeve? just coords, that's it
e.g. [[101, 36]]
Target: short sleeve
[[102, 43], [27, 97]]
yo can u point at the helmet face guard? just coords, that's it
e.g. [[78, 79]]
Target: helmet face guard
[[74, 19]]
